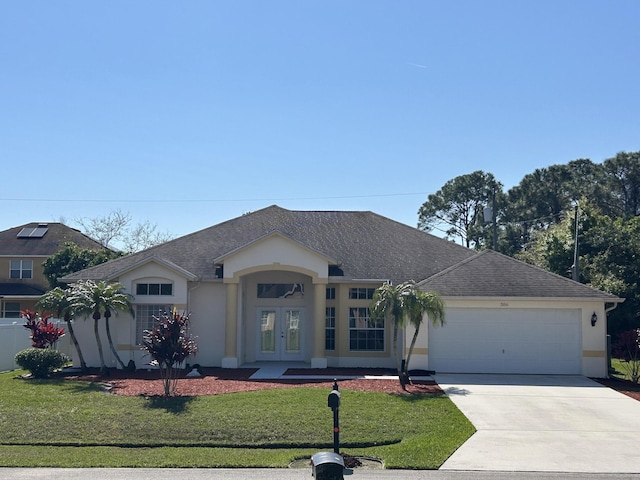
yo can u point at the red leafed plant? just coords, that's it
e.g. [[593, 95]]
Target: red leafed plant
[[169, 344], [43, 333]]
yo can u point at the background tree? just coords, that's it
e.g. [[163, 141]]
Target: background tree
[[544, 197], [609, 258], [459, 207], [58, 302], [70, 259], [623, 183], [116, 229], [405, 304]]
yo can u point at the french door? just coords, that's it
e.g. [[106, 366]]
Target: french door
[[279, 334]]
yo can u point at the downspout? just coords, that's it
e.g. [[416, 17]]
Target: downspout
[[608, 337]]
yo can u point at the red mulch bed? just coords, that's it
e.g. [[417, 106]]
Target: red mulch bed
[[215, 381], [623, 386]]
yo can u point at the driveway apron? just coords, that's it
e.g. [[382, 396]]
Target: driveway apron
[[544, 423]]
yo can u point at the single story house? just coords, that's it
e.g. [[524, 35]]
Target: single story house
[[277, 285]]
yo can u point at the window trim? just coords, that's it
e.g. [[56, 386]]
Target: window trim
[[21, 269], [369, 327], [151, 310], [160, 286], [330, 328]]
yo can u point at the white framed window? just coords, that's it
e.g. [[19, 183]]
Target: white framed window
[[364, 333], [154, 289], [146, 316], [22, 269], [10, 309], [361, 293], [330, 328]]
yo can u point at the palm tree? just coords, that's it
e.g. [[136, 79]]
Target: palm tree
[[101, 299], [405, 304], [418, 304], [386, 306], [59, 302]]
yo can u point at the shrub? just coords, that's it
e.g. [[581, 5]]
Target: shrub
[[627, 349], [43, 333], [169, 344], [41, 362]]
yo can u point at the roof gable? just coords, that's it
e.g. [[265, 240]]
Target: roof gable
[[269, 236]]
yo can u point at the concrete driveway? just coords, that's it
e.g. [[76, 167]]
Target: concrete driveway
[[544, 423]]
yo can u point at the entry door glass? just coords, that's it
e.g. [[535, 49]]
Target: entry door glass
[[280, 334], [292, 331], [268, 332]]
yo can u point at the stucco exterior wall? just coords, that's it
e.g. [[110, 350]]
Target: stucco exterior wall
[[207, 307]]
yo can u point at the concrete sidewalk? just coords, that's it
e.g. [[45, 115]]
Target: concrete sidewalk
[[277, 474], [544, 423]]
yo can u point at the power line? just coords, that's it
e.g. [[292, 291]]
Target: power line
[[210, 200]]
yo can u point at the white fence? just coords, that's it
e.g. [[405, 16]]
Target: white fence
[[14, 338]]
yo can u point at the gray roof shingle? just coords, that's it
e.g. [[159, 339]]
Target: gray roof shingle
[[491, 274], [365, 245]]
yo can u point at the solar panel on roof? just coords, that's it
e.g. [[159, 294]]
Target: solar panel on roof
[[33, 232]]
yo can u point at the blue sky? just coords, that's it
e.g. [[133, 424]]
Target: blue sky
[[187, 114]]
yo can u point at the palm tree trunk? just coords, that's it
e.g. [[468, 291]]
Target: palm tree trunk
[[103, 367], [394, 347], [113, 350], [413, 344], [83, 364]]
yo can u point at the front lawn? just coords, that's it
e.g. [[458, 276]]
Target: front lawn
[[66, 423]]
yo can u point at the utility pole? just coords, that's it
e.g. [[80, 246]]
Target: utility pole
[[493, 219], [575, 272]]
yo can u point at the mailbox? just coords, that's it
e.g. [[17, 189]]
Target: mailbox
[[327, 466], [334, 400]]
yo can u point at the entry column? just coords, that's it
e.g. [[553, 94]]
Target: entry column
[[230, 359], [319, 359]]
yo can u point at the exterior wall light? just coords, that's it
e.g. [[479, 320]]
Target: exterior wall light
[[594, 319]]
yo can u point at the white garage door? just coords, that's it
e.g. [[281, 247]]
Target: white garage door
[[536, 341]]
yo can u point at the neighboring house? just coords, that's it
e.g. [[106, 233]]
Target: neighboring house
[[294, 286], [23, 249]]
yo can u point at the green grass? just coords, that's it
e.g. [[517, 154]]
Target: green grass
[[74, 424], [622, 369]]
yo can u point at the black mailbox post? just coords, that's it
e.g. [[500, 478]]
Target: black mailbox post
[[334, 404], [326, 465]]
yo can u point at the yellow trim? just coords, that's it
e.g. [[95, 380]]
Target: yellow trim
[[593, 353], [418, 351]]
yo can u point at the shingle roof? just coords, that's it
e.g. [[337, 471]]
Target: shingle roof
[[365, 245], [491, 274], [54, 238], [20, 290]]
